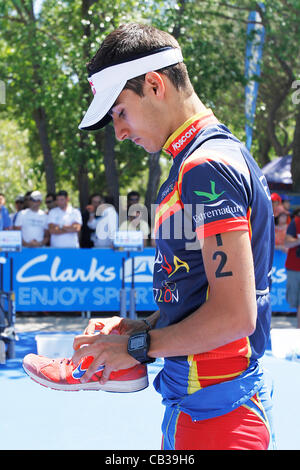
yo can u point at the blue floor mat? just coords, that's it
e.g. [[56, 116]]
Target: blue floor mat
[[37, 418]]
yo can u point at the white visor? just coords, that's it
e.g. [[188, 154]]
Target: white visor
[[108, 83]]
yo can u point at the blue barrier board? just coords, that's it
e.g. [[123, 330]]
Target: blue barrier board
[[79, 279], [90, 279]]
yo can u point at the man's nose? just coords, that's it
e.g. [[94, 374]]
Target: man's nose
[[121, 131]]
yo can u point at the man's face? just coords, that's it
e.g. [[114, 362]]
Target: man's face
[[96, 201], [133, 199], [61, 202], [2, 200], [50, 202], [137, 118], [35, 204]]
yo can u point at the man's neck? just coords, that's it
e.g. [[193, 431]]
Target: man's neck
[[184, 109]]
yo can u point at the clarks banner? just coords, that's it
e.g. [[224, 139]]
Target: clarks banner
[[79, 279], [61, 280], [278, 291]]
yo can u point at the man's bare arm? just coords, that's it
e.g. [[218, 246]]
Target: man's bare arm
[[230, 310]]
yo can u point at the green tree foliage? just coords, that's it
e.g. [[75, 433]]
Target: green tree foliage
[[43, 56]]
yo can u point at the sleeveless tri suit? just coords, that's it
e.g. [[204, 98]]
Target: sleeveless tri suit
[[219, 188]]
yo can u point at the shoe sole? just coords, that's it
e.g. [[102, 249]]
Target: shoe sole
[[118, 386]]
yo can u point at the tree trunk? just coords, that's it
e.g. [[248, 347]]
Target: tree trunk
[[111, 173], [40, 118], [82, 175], [296, 154], [264, 147], [272, 125], [83, 186], [106, 145], [153, 182]]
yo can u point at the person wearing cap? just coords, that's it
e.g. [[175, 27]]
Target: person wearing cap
[[64, 223], [214, 230], [277, 205], [33, 223]]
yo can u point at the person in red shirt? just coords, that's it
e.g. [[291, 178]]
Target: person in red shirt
[[292, 264], [277, 205]]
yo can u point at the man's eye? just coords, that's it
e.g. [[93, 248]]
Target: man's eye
[[122, 114]]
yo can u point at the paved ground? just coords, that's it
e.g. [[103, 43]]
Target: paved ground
[[78, 323], [63, 421]]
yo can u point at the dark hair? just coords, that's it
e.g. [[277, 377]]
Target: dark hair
[[94, 195], [53, 195], [133, 193], [62, 192], [130, 40], [296, 212]]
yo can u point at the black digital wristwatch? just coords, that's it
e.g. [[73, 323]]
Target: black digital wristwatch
[[138, 347]]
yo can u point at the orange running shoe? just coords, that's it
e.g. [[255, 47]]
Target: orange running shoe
[[62, 374]]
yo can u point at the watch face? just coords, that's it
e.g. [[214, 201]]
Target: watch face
[[137, 342]]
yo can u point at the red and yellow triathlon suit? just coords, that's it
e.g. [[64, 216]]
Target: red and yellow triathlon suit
[[217, 399]]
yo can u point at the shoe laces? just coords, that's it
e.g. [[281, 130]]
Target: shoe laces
[[62, 361]]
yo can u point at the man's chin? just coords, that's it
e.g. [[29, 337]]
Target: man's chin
[[151, 148]]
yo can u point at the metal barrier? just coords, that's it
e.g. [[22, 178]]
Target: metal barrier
[[7, 317]]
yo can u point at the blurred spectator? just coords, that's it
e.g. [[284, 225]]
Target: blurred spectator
[[136, 221], [27, 200], [33, 223], [292, 265], [104, 224], [281, 225], [5, 221], [287, 206], [133, 197], [64, 223], [19, 205], [87, 234], [276, 204], [50, 201]]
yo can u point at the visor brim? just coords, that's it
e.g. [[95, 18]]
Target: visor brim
[[96, 116]]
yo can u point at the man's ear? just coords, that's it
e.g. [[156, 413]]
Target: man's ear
[[155, 83]]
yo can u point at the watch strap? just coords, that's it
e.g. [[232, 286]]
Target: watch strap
[[141, 354], [149, 327]]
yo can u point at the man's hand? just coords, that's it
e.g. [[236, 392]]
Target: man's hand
[[106, 339], [107, 350], [107, 326]]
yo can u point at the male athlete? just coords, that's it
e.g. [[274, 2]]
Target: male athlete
[[214, 251]]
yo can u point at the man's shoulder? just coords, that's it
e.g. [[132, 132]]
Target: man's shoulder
[[54, 213], [73, 210], [292, 229], [214, 159], [22, 213], [54, 210], [41, 213]]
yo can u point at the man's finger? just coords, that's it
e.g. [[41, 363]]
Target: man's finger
[[80, 340], [92, 327], [93, 368], [82, 352], [105, 374]]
